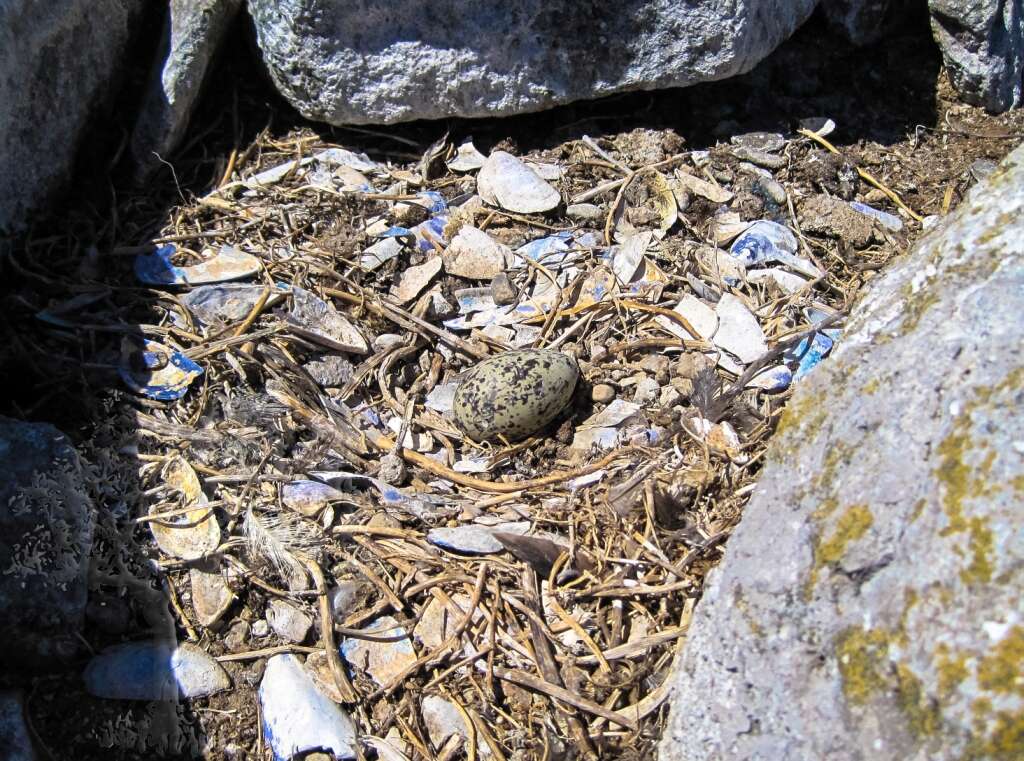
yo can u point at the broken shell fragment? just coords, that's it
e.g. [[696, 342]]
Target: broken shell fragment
[[228, 264], [467, 158], [194, 534], [298, 717], [514, 394], [155, 370], [509, 183], [212, 304], [383, 661], [211, 596], [313, 318], [473, 539]]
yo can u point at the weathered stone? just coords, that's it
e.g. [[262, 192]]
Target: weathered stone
[[290, 623], [869, 602], [384, 62], [827, 215], [192, 34], [59, 60], [982, 44], [46, 528]]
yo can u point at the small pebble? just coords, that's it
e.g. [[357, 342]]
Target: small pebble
[[688, 365], [502, 290], [602, 393], [647, 392], [760, 158], [288, 622], [344, 598], [330, 370], [770, 142], [670, 396], [982, 168], [584, 211], [387, 341], [236, 637], [260, 629], [771, 190], [392, 469], [683, 385]]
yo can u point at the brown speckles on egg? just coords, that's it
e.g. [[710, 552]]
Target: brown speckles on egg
[[514, 394]]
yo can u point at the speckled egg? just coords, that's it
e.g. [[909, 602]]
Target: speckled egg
[[514, 394]]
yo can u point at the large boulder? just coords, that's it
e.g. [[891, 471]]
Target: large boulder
[[193, 31], [982, 44], [57, 62], [377, 61], [46, 530], [869, 602]]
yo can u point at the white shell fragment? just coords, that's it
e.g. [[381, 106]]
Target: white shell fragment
[[154, 671], [772, 379], [787, 281], [227, 264], [313, 318], [890, 222], [232, 302], [298, 717], [473, 539], [467, 158], [509, 183], [439, 621], [697, 313], [156, 370], [211, 595], [383, 661], [195, 533], [443, 719], [765, 242], [626, 257], [475, 255], [739, 332], [309, 498], [441, 397], [415, 279], [708, 190]]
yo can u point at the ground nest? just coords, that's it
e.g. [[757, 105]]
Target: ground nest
[[308, 489]]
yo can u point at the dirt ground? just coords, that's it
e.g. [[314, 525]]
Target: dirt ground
[[896, 118]]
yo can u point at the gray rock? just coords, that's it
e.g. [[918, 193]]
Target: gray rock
[[766, 142], [982, 44], [46, 529], [59, 60], [586, 212], [191, 36], [383, 62], [289, 622], [602, 393], [869, 602], [502, 290], [14, 735], [759, 158]]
